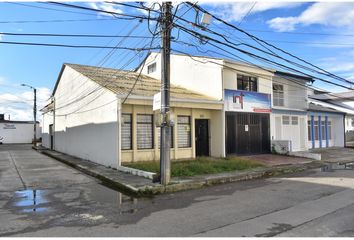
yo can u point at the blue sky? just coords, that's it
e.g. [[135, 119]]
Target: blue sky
[[317, 32]]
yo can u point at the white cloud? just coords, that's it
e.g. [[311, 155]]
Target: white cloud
[[19, 105], [333, 14], [105, 7], [235, 11]]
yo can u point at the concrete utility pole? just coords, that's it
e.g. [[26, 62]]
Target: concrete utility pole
[[166, 25], [34, 113]]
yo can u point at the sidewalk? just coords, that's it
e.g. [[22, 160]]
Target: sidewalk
[[142, 186]]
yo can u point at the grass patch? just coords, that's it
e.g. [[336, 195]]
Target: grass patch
[[199, 166]]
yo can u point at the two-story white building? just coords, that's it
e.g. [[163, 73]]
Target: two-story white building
[[244, 89], [289, 113]]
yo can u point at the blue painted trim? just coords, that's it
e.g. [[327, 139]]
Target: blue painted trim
[[319, 131], [326, 126], [325, 114], [312, 131], [289, 112]]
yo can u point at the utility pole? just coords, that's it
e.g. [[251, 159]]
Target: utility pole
[[34, 113], [35, 117], [165, 144]]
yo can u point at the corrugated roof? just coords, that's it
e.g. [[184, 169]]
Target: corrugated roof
[[121, 82]]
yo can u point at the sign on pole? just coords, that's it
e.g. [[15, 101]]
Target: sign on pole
[[157, 102]]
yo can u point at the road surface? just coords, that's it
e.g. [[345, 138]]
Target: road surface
[[42, 197]]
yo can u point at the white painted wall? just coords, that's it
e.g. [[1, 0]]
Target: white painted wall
[[231, 70], [18, 132], [337, 131], [47, 119], [294, 133], [295, 94], [349, 119], [87, 128], [217, 133], [196, 74]]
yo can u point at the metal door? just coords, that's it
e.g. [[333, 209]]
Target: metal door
[[247, 133], [202, 137]]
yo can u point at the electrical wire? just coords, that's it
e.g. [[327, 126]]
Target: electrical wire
[[264, 42], [265, 52], [198, 35], [77, 46], [70, 35]]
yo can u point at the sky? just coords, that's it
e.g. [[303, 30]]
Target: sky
[[314, 31]]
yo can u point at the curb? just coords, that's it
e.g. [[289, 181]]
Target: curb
[[194, 182], [255, 174]]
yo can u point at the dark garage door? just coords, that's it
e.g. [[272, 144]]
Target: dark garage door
[[247, 133]]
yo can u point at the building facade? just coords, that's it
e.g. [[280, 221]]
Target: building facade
[[13, 132], [91, 117]]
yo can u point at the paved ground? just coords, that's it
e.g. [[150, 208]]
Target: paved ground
[[276, 160], [335, 154], [42, 197]]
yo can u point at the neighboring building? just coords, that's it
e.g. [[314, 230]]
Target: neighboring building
[[94, 120], [289, 112], [17, 131], [245, 91], [337, 101]]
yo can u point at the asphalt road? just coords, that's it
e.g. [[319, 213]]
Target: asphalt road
[[42, 197]]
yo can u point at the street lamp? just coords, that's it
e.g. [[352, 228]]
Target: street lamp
[[34, 113]]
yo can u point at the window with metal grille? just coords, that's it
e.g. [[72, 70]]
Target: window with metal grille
[[329, 130], [286, 120], [309, 130], [184, 131], [294, 120], [126, 129], [145, 135], [247, 83], [152, 68], [159, 136], [315, 126], [323, 129], [278, 95]]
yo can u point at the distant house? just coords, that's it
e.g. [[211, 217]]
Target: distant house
[[17, 131], [343, 133]]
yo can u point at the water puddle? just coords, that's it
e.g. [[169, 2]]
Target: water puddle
[[30, 201], [124, 203]]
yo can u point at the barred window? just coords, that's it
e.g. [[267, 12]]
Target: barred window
[[278, 95], [126, 131], [145, 133], [315, 126], [159, 136], [286, 120], [184, 131], [309, 130], [329, 130], [294, 120], [323, 129]]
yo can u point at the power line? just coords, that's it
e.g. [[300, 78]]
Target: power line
[[294, 33], [248, 13], [51, 9], [100, 10], [69, 35], [59, 20], [77, 46], [323, 72], [198, 35], [271, 45]]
